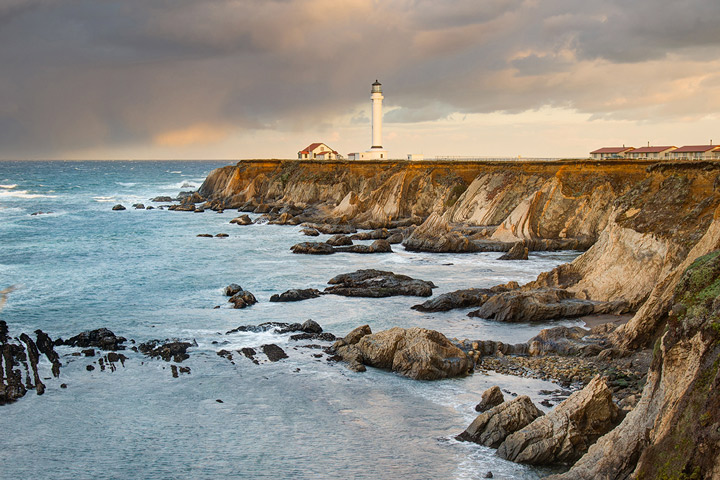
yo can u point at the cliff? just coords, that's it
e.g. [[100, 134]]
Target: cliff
[[643, 225]]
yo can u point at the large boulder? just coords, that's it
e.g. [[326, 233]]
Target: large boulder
[[470, 297], [492, 427], [378, 283], [378, 246], [313, 248], [518, 252], [242, 220], [415, 352], [565, 434]]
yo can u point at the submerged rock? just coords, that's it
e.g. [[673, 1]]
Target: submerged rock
[[378, 283], [273, 352], [492, 427], [564, 434], [417, 353]]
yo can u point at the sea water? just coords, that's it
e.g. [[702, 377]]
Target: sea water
[[145, 274]]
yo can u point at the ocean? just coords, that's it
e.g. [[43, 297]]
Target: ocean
[[145, 274]]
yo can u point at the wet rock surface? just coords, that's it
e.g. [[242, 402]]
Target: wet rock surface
[[296, 295], [313, 248], [242, 299], [378, 283], [20, 368], [101, 338], [166, 349], [339, 240], [491, 428], [273, 352]]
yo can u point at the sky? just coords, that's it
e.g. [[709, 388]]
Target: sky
[[234, 79]]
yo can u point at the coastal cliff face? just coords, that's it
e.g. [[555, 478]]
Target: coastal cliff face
[[643, 225]]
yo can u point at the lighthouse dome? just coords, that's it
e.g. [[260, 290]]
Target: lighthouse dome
[[376, 87]]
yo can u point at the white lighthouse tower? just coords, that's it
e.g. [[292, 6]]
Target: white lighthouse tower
[[376, 151]]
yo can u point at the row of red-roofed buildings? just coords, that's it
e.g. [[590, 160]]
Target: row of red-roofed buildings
[[688, 152]]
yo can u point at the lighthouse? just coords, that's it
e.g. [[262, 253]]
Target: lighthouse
[[376, 97], [376, 151]]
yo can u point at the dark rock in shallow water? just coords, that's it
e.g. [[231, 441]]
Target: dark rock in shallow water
[[118, 207], [471, 297], [169, 350], [311, 326], [296, 295], [325, 337], [232, 289], [138, 206], [310, 232], [101, 338], [313, 248], [377, 283], [395, 238], [204, 235], [243, 299], [249, 353], [381, 233], [222, 235], [492, 397], [273, 352], [162, 199]]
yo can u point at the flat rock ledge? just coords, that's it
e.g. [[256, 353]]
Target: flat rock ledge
[[325, 248], [296, 295], [416, 353], [565, 434], [491, 428], [378, 283]]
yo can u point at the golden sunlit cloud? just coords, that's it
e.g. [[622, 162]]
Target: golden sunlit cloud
[[197, 134]]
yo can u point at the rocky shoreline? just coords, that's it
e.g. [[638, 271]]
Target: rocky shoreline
[[635, 397]]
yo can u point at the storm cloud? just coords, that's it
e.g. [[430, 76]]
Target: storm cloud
[[84, 74]]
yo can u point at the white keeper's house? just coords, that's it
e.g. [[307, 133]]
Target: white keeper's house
[[317, 151], [696, 152], [610, 152]]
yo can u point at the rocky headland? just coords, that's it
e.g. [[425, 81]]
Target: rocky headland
[[646, 230]]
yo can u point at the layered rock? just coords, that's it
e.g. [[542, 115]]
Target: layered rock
[[492, 397], [417, 353], [492, 427], [672, 432], [564, 434]]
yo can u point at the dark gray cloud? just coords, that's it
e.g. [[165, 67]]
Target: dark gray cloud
[[101, 74]]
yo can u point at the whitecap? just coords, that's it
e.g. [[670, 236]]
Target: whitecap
[[126, 184], [9, 187], [23, 194], [104, 199]]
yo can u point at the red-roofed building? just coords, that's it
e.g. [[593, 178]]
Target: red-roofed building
[[653, 153], [610, 152], [696, 152], [317, 151]]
